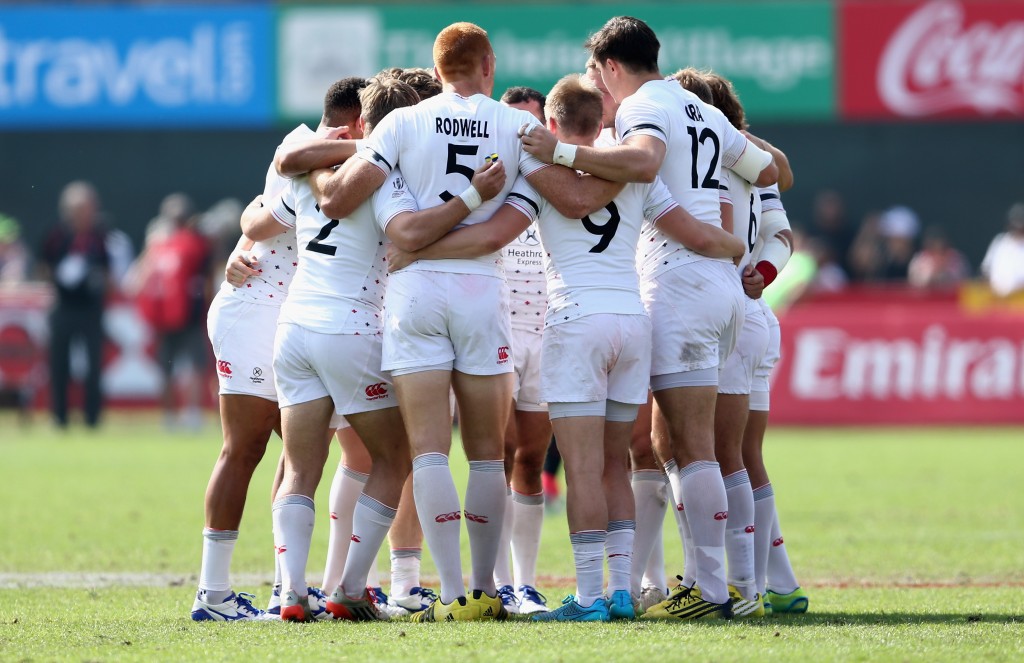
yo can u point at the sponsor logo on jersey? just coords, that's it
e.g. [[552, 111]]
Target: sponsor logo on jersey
[[503, 354], [530, 237], [447, 517], [257, 375], [375, 392], [749, 529], [721, 515], [475, 518], [224, 368], [777, 542], [399, 183]]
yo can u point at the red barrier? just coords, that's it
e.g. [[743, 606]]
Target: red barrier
[[896, 357], [931, 59]]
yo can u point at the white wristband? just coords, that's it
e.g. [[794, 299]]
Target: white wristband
[[565, 154], [471, 197]]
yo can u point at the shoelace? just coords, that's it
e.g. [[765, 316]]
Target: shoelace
[[244, 601], [533, 595], [425, 593], [508, 595], [681, 596]]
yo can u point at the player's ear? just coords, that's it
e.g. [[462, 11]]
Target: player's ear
[[487, 66], [552, 125]]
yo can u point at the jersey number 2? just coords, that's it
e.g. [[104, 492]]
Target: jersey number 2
[[315, 245]]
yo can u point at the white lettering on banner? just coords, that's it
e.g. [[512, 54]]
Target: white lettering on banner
[[171, 72], [830, 364], [935, 63]]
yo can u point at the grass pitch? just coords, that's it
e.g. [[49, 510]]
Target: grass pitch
[[909, 541]]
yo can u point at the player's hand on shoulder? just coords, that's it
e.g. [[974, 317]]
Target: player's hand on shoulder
[[538, 142], [489, 179], [753, 282], [397, 258], [240, 268]]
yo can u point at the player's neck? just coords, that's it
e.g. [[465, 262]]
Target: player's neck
[[464, 88]]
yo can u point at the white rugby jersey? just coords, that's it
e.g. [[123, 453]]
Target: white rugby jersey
[[528, 289], [339, 286], [591, 262], [439, 143], [746, 212], [606, 138], [700, 142], [276, 256]]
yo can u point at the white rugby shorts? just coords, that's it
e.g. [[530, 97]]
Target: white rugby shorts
[[696, 311], [242, 335], [603, 356], [526, 349], [310, 365], [459, 321], [736, 373], [763, 372]]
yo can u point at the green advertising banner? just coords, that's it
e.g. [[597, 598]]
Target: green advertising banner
[[780, 56]]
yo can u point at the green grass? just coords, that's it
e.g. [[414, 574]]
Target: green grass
[[877, 522]]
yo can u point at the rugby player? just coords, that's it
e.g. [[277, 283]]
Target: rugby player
[[447, 322], [695, 303]]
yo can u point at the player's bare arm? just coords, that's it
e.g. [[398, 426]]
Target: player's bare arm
[[573, 194], [349, 187], [259, 223], [637, 159], [299, 158], [703, 238], [785, 175], [411, 231], [479, 239]]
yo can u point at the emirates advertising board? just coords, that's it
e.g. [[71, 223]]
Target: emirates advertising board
[[945, 59], [779, 55]]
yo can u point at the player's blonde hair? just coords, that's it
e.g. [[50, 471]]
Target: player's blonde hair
[[694, 80], [725, 99], [576, 105], [459, 49], [383, 95]]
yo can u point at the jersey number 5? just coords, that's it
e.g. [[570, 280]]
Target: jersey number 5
[[455, 167], [607, 231]]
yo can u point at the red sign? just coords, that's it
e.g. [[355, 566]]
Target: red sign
[[940, 59], [900, 361]]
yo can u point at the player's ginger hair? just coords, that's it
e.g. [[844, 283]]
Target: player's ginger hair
[[575, 105], [459, 50]]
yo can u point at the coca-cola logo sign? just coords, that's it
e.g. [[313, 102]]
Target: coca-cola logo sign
[[940, 58]]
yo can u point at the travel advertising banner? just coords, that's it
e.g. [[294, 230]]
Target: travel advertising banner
[[113, 67], [943, 59], [779, 55]]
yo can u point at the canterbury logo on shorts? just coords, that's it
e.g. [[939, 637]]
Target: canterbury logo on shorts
[[224, 368], [503, 354], [377, 391]]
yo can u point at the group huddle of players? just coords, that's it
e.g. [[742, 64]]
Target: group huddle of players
[[587, 263]]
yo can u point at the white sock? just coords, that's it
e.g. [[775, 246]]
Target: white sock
[[526, 527], [277, 564], [650, 518], [293, 530], [502, 564], [618, 547], [689, 565], [706, 511], [370, 524], [373, 575], [764, 516], [346, 488], [739, 534], [405, 570], [588, 554], [780, 578], [214, 580], [484, 510], [437, 504]]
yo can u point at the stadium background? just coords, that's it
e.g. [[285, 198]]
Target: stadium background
[[144, 99]]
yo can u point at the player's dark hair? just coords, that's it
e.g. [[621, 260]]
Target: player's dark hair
[[341, 103], [725, 99], [520, 94], [422, 80], [693, 80], [390, 72], [576, 106], [383, 95], [627, 40]]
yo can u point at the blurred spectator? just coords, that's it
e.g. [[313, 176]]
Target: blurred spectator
[[831, 229], [14, 257], [865, 256], [1004, 261], [937, 264], [173, 288], [898, 227], [77, 261]]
